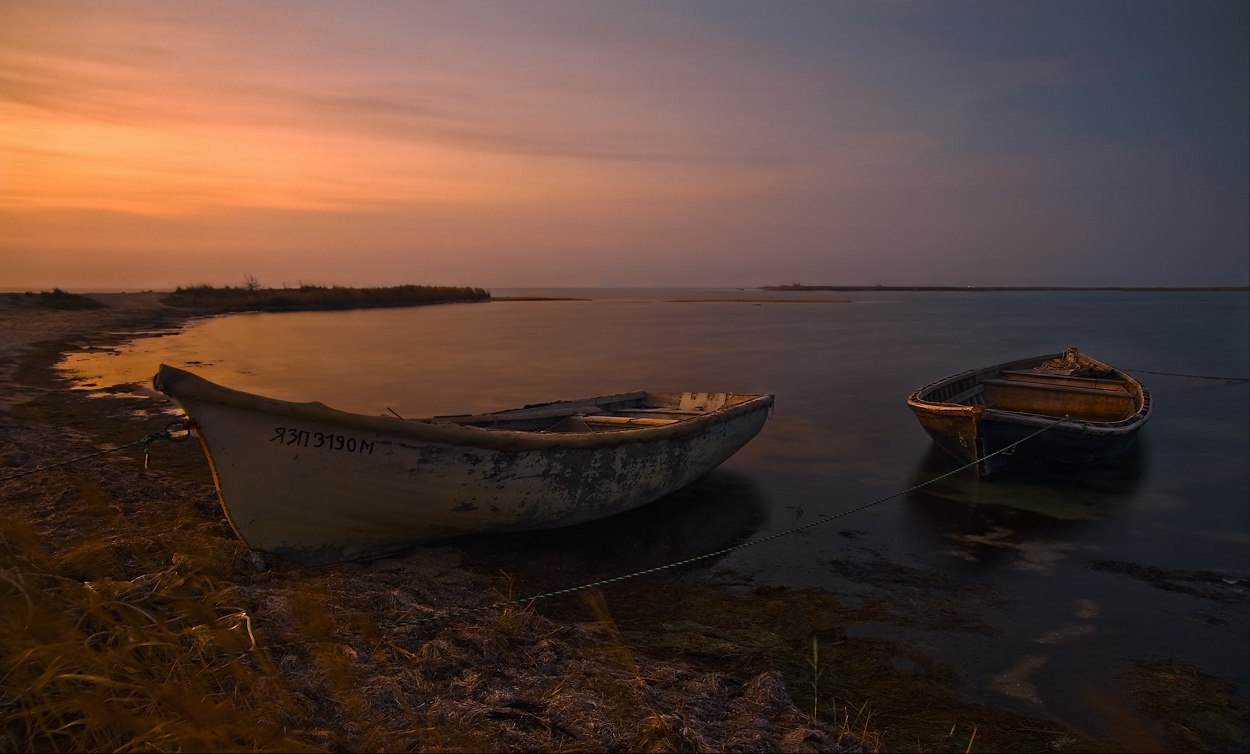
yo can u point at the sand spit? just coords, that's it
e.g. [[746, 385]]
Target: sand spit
[[133, 618]]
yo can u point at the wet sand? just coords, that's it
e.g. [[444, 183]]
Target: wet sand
[[103, 562]]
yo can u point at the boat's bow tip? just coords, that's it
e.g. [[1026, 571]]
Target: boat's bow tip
[[173, 381], [161, 376]]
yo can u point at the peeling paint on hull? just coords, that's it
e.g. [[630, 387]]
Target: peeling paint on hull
[[306, 479]]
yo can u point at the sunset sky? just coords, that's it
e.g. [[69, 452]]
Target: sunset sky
[[155, 144]]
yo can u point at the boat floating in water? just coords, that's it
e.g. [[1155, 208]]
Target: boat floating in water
[[974, 414], [318, 485]]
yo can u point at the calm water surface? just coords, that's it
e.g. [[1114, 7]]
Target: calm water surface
[[841, 436]]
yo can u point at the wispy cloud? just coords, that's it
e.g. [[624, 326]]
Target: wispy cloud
[[209, 133], [848, 136]]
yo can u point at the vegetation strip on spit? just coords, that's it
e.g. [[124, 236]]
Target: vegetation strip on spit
[[59, 299], [251, 297]]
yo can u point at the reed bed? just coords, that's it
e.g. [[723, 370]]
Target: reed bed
[[251, 298]]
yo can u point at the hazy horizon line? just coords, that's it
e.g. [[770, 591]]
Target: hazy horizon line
[[775, 288]]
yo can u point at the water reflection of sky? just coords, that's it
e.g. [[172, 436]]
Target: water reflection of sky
[[841, 436]]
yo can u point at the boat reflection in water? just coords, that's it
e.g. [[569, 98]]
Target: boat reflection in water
[[1022, 513], [721, 509]]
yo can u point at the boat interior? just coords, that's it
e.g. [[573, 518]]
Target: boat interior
[[1107, 397], [611, 413]]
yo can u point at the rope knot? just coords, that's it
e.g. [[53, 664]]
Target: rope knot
[[170, 431]]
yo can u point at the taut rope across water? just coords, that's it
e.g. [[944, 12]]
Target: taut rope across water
[[723, 551], [168, 434]]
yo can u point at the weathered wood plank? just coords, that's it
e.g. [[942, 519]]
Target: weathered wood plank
[[629, 420], [1096, 383]]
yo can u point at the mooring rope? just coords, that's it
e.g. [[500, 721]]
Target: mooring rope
[[1192, 376], [705, 556], [145, 442], [165, 434]]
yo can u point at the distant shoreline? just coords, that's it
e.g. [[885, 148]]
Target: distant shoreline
[[536, 298], [759, 301], [982, 288]]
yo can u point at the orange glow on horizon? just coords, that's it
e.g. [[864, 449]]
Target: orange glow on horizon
[[610, 144]]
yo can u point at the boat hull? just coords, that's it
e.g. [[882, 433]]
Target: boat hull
[[1081, 426], [304, 484]]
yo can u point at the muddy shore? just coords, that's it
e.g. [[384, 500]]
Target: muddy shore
[[131, 616]]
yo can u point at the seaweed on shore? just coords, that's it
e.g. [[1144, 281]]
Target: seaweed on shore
[[305, 297], [1196, 712], [1221, 587]]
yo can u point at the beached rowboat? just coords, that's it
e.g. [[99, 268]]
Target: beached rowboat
[[317, 484], [975, 413]]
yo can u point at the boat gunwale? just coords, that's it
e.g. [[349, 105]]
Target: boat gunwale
[[180, 384]]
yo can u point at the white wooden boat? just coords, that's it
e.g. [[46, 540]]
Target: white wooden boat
[[974, 414], [317, 484]]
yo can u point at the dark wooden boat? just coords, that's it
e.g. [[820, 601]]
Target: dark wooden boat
[[976, 413]]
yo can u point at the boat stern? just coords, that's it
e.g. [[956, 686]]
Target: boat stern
[[952, 427]]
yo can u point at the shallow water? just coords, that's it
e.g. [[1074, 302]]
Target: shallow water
[[842, 436]]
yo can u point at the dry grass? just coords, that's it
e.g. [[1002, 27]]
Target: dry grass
[[143, 624], [1196, 712], [134, 639]]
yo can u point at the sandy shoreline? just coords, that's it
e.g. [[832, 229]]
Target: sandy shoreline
[[506, 679], [316, 659]]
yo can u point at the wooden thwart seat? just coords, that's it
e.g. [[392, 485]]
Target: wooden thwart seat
[[637, 421], [1095, 383], [1058, 399]]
